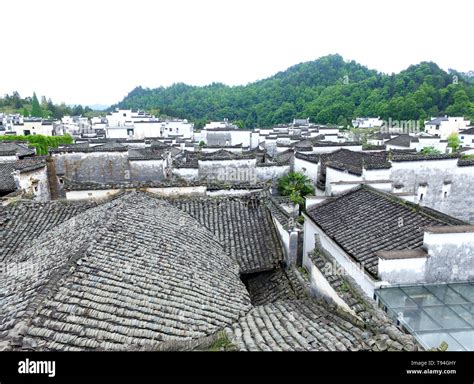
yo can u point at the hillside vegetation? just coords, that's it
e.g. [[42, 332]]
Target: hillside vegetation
[[329, 90]]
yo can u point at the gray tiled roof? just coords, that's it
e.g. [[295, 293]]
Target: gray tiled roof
[[268, 287], [23, 222], [298, 325], [365, 220], [351, 161], [420, 156], [437, 121], [110, 146], [146, 154], [244, 227], [7, 182], [130, 273], [402, 140], [21, 149], [311, 157]]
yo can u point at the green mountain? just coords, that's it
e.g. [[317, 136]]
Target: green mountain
[[329, 90]]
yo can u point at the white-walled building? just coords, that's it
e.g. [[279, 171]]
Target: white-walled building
[[126, 123], [367, 122], [220, 124], [444, 126], [467, 137], [369, 232]]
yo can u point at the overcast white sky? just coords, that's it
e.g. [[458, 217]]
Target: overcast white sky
[[96, 51]]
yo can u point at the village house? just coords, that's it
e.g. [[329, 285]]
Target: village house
[[442, 182], [365, 240], [367, 122], [467, 137], [24, 177], [444, 126]]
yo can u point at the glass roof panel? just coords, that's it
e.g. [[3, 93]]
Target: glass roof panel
[[433, 340], [396, 298], [433, 313], [465, 311], [447, 295]]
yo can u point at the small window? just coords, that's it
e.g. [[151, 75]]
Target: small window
[[445, 194], [61, 181], [89, 194], [421, 197]]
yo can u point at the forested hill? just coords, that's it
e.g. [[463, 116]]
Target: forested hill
[[327, 90]]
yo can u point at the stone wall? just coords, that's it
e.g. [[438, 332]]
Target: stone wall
[[451, 256], [446, 187], [107, 167], [35, 183], [147, 170]]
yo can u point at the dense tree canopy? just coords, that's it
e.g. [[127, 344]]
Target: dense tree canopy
[[327, 90], [31, 106]]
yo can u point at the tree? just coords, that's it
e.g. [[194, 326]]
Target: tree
[[454, 141], [295, 185], [36, 110], [40, 142]]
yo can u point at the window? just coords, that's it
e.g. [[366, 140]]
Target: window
[[446, 189], [421, 197]]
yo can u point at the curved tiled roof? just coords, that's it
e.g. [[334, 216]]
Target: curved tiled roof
[[130, 273], [23, 222], [244, 227], [8, 148], [297, 325]]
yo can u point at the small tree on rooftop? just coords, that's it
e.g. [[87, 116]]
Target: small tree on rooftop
[[454, 141], [295, 185]]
